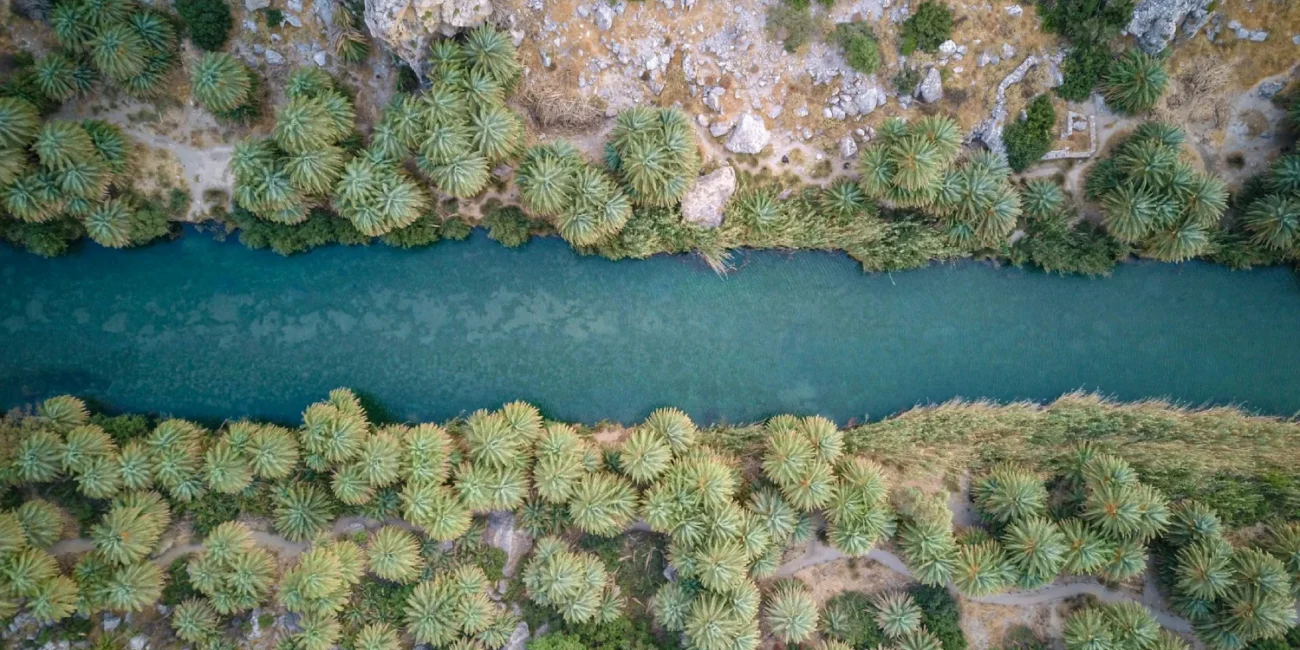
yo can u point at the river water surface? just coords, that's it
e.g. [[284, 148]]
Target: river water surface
[[200, 328]]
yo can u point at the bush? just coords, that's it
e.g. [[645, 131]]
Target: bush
[[905, 81], [790, 24], [320, 229], [208, 21], [939, 615], [424, 232], [48, 239], [850, 617], [508, 226], [274, 17], [860, 47], [1082, 70], [928, 28], [1029, 139], [1055, 246]]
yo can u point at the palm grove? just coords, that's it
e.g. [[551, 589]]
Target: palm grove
[[727, 526], [58, 178]]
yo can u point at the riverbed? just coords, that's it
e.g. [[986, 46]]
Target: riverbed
[[208, 329]]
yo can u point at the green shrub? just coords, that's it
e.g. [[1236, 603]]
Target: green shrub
[[1082, 70], [47, 239], [208, 21], [1029, 139], [906, 80], [850, 617], [423, 232], [556, 641], [1055, 246], [928, 28], [274, 17], [860, 48], [321, 228], [940, 615], [508, 226], [790, 24], [407, 81], [1088, 25]]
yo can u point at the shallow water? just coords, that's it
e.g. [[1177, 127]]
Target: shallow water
[[200, 328]]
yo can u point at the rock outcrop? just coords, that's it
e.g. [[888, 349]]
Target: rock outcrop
[[1156, 22], [749, 136], [930, 90], [408, 27], [703, 204]]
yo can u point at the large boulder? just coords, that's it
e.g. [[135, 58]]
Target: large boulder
[[703, 204], [1155, 22], [409, 27], [930, 90], [749, 136]]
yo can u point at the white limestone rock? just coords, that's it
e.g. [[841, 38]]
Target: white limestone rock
[[704, 203], [750, 135]]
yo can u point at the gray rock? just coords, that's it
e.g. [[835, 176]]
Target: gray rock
[[1234, 25], [293, 20], [1259, 36], [583, 11], [749, 135], [1008, 51], [775, 111], [1156, 22], [274, 58], [408, 27], [948, 48], [869, 100], [1268, 89], [502, 533], [702, 119], [719, 129], [985, 58], [319, 58], [704, 203], [1295, 39], [1242, 34], [111, 622], [138, 642], [1014, 11], [713, 98], [518, 638], [848, 147], [604, 17], [930, 90], [254, 5], [294, 6], [838, 113]]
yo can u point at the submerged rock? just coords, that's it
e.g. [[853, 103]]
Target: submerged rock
[[704, 204]]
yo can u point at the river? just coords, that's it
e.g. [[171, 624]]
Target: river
[[207, 329]]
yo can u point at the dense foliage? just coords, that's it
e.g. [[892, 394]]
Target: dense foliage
[[1089, 26], [1029, 139], [208, 22], [1135, 81], [927, 28], [858, 41]]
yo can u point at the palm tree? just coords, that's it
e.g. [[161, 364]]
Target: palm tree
[[84, 444], [26, 198], [791, 613], [490, 441], [495, 132], [982, 569], [427, 453], [711, 623], [53, 74], [917, 163], [490, 52], [60, 144], [39, 457], [1036, 548], [101, 478], [303, 124], [220, 82], [53, 600], [602, 504], [394, 554], [1135, 82], [1086, 551], [921, 639], [644, 456], [1088, 629], [1284, 542], [124, 535], [1009, 494], [772, 509], [843, 200], [897, 614], [1191, 522], [1205, 200], [941, 131], [227, 470], [272, 452], [227, 541], [13, 164], [153, 28], [300, 510], [86, 180], [1274, 222], [435, 509], [71, 27], [133, 587], [317, 631], [250, 576], [109, 224], [430, 613], [671, 605], [41, 521], [929, 550], [675, 426], [1041, 198], [380, 458], [118, 52], [316, 171], [1132, 625], [787, 458], [377, 636], [461, 177], [27, 570], [1127, 560], [11, 534], [194, 620], [545, 177], [332, 432], [811, 489], [1114, 509]]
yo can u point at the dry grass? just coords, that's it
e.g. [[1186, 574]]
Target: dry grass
[[1199, 92], [551, 105]]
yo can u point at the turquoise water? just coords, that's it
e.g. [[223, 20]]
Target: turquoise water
[[200, 328]]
